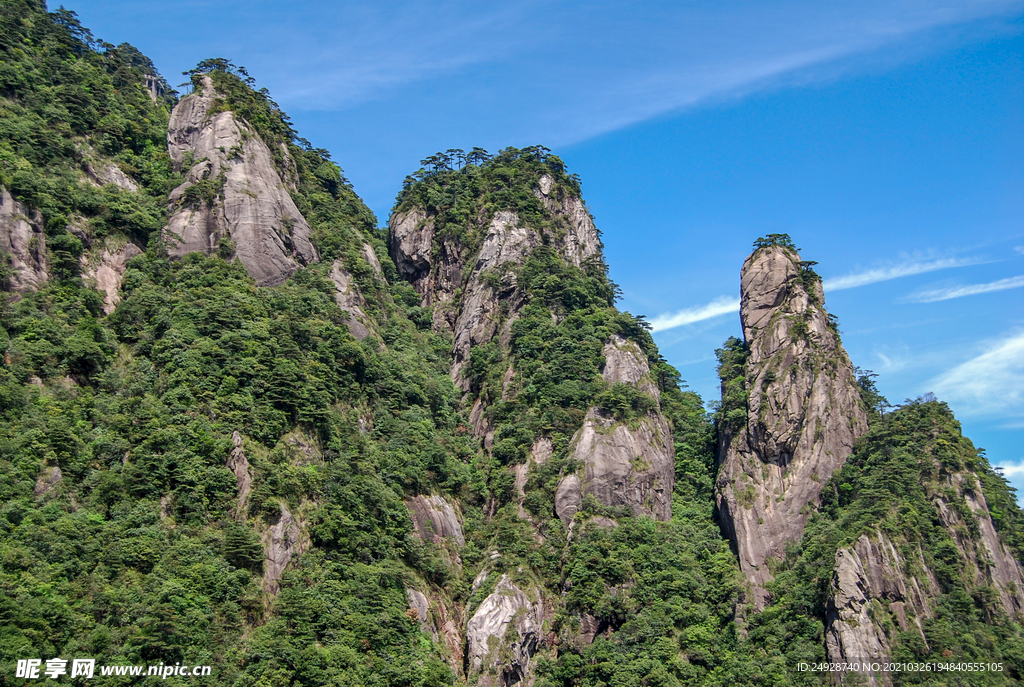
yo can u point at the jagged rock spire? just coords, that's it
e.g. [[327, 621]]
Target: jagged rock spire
[[803, 412]]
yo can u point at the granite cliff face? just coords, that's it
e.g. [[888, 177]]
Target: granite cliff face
[[233, 191], [803, 413], [624, 464], [455, 277], [23, 240], [475, 295]]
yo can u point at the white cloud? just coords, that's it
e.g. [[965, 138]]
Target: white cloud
[[904, 269], [723, 305], [1019, 249], [992, 384], [969, 290], [1012, 470]]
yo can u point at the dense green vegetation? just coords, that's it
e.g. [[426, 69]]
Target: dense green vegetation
[[120, 532], [893, 482]]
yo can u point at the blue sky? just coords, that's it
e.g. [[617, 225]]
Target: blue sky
[[887, 138]]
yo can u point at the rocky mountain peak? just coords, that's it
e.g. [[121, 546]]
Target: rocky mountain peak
[[802, 406], [234, 200]]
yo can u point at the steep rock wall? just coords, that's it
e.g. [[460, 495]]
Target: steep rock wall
[[24, 243], [251, 206], [458, 281], [503, 635], [625, 464], [803, 413], [871, 582]]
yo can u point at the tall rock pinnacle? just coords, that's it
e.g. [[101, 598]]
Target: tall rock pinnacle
[[232, 190], [803, 411]]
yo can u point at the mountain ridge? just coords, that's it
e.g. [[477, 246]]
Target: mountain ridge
[[438, 454]]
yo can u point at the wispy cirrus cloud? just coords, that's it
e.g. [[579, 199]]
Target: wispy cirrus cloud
[[903, 269], [991, 384], [935, 295], [726, 304], [723, 305]]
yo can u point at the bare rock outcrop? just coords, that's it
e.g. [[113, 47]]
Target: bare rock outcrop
[[803, 413], [232, 191], [282, 541], [988, 561], [872, 581], [581, 240], [503, 636], [105, 268], [49, 477], [349, 299], [435, 520], [506, 242], [23, 241], [473, 291], [238, 464], [625, 463], [103, 172]]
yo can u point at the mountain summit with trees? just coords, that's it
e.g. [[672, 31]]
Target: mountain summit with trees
[[241, 425]]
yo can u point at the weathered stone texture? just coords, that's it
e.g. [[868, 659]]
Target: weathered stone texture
[[502, 636], [253, 208], [803, 414], [23, 241]]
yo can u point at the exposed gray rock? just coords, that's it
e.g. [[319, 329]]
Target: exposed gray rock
[[626, 363], [477, 324], [238, 464], [349, 299], [106, 268], [103, 172], [542, 450], [871, 581], [473, 296], [418, 602], [581, 240], [23, 241], [987, 559], [803, 414], [568, 498], [253, 208], [626, 464], [544, 184], [370, 256], [852, 635], [435, 519], [410, 244], [49, 477], [503, 635], [282, 541]]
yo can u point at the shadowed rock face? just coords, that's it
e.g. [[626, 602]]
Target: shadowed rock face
[[871, 580], [348, 298], [23, 240], [238, 463], [435, 520], [803, 413], [252, 208], [281, 542]]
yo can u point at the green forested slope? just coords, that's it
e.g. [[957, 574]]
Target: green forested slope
[[120, 534]]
